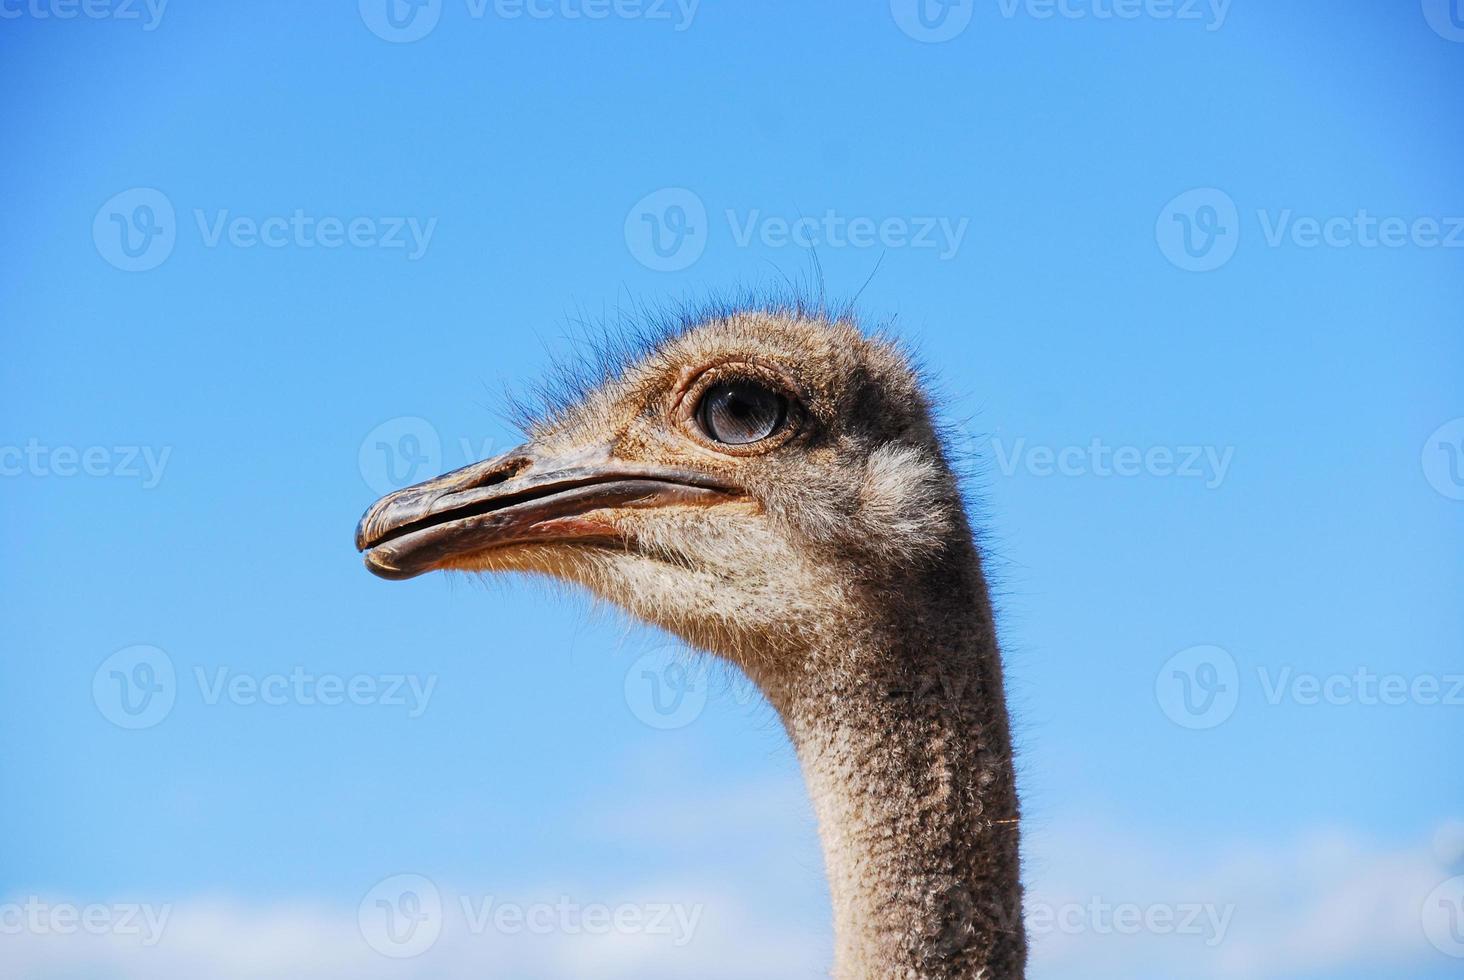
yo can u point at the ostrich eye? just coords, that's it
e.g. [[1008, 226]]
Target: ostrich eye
[[740, 412]]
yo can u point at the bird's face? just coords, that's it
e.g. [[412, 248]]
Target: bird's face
[[735, 485]]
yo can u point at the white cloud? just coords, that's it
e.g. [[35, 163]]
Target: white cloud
[[1322, 904], [1325, 904], [229, 941]]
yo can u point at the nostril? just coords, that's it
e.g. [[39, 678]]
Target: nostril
[[407, 509], [491, 476]]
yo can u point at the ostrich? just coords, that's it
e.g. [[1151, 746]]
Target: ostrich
[[769, 485]]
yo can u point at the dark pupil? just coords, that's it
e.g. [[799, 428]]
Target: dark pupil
[[738, 412]]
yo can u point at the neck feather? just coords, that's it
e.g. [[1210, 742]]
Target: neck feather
[[901, 728]]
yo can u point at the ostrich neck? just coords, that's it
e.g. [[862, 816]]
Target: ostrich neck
[[901, 729]]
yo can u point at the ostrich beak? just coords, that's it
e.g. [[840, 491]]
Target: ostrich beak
[[524, 496]]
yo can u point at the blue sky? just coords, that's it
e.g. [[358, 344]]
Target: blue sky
[[1214, 246]]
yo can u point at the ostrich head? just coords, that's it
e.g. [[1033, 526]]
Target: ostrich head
[[737, 485], [769, 486]]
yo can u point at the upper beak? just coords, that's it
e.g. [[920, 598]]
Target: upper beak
[[522, 496]]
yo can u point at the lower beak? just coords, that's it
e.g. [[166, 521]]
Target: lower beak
[[521, 497]]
